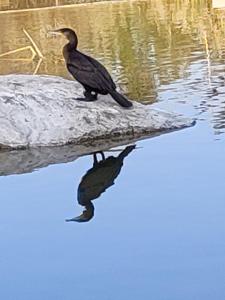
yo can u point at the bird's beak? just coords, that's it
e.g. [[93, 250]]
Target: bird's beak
[[54, 32], [76, 219], [79, 219]]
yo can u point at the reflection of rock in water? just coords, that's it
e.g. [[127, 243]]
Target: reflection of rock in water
[[100, 177]]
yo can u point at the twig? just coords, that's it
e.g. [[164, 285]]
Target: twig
[[38, 66], [19, 50], [33, 44], [208, 58], [119, 150]]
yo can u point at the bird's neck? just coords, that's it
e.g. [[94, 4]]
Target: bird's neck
[[73, 41], [68, 48]]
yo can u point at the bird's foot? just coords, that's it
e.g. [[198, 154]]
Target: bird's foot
[[89, 99], [90, 95]]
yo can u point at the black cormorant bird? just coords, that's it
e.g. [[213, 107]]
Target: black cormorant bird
[[95, 182], [89, 72]]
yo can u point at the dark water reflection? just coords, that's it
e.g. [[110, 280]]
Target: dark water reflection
[[97, 180]]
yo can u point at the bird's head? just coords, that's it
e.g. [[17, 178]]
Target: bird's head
[[86, 216], [68, 33]]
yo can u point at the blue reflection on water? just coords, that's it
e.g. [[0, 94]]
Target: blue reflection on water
[[157, 233]]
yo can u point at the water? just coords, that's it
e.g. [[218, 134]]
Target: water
[[158, 232]]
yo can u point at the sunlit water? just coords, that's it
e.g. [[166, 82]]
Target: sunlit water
[[158, 232]]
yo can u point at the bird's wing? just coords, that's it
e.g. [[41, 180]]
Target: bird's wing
[[86, 76], [102, 69], [90, 72]]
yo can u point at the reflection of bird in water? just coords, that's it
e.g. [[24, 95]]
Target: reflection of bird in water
[[100, 177], [89, 72]]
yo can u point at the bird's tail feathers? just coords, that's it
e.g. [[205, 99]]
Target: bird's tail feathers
[[120, 99]]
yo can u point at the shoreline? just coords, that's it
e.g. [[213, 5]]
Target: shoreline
[[12, 11]]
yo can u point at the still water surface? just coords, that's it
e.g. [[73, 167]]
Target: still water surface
[[158, 232]]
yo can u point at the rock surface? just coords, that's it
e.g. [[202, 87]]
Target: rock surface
[[42, 111]]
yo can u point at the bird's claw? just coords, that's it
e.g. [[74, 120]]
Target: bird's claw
[[85, 99]]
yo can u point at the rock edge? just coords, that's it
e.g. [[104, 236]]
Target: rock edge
[[38, 111]]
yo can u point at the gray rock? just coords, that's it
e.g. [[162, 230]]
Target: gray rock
[[42, 111]]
